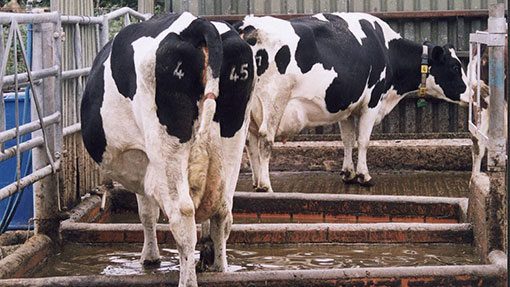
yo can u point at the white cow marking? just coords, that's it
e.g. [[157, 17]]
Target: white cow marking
[[178, 71]]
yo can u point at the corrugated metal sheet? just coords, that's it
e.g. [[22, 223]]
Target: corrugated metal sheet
[[440, 30]]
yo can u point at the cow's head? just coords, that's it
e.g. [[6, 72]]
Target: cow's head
[[447, 80]]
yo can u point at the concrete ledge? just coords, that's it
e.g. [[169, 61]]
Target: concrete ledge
[[284, 233], [429, 209], [434, 154], [465, 275], [26, 258]]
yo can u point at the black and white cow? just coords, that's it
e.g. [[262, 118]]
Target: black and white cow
[[479, 146], [331, 68], [161, 115]]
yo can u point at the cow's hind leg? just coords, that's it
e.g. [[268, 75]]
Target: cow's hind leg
[[265, 146], [259, 150], [252, 147], [206, 247], [148, 210], [365, 126], [220, 230], [348, 138], [181, 216]]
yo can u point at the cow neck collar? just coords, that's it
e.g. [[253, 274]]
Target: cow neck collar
[[424, 70]]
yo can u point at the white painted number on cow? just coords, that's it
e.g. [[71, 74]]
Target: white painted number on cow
[[259, 61], [178, 71], [243, 74]]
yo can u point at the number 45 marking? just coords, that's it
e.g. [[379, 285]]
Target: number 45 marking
[[243, 73]]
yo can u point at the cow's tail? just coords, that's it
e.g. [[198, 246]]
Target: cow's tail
[[204, 162]]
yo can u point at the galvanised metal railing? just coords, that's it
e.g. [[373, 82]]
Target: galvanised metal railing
[[46, 96]]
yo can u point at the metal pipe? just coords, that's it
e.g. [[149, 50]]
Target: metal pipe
[[16, 106], [72, 129], [78, 61], [124, 10], [66, 19], [71, 74], [23, 147], [496, 150], [3, 124], [36, 75], [30, 127], [28, 180], [22, 18], [104, 29]]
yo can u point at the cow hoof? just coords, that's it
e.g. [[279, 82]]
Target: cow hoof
[[347, 177], [206, 255], [363, 182], [148, 262], [261, 189]]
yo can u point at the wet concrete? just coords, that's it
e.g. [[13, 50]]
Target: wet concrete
[[123, 259], [416, 183]]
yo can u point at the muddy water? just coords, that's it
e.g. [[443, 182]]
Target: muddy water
[[418, 183], [122, 259]]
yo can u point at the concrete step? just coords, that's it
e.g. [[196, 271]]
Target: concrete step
[[427, 154]]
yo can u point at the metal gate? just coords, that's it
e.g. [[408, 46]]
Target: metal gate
[[52, 122]]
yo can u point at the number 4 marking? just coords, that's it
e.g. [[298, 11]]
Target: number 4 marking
[[178, 71]]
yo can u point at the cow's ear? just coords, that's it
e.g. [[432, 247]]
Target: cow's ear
[[249, 34], [437, 54]]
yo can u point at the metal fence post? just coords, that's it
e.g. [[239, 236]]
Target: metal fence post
[[498, 221], [45, 190], [496, 154], [104, 31]]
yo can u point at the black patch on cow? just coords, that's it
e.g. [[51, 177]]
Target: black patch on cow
[[405, 58], [179, 68], [447, 72], [122, 62], [333, 45], [91, 122], [234, 95], [261, 60], [282, 59]]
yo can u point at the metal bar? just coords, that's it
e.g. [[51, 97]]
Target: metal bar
[[28, 180], [23, 147], [71, 74], [30, 127], [2, 72], [127, 20], [487, 38], [78, 61], [22, 18], [104, 29], [478, 133], [470, 82], [36, 101], [65, 19], [72, 129], [57, 105], [36, 75], [16, 103], [124, 10], [496, 155], [482, 13], [3, 115]]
